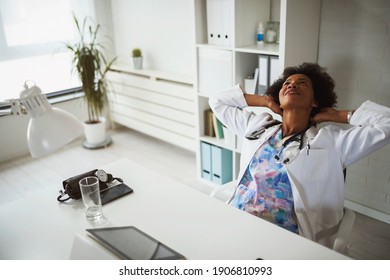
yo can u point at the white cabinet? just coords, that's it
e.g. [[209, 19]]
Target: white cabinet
[[215, 71], [222, 64], [154, 102]]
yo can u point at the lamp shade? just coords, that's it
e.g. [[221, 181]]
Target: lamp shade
[[49, 128], [51, 131]]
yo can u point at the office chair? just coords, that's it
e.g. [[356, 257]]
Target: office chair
[[224, 192]]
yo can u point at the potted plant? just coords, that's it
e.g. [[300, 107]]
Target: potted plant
[[90, 62], [137, 58]]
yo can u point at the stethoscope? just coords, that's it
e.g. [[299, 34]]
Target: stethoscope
[[297, 137]]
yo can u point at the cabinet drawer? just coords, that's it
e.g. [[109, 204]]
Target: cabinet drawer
[[159, 107], [168, 112], [180, 90]]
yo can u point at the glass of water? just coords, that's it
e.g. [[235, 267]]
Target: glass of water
[[90, 193]]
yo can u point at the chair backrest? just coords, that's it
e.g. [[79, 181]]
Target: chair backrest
[[224, 192], [344, 232]]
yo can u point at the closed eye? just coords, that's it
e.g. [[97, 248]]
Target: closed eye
[[300, 82]]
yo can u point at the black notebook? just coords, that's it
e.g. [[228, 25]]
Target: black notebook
[[114, 192], [133, 244]]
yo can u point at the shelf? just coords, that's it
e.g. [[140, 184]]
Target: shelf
[[214, 47], [154, 74], [215, 141], [268, 49]]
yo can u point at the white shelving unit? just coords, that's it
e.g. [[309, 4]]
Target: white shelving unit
[[298, 43]]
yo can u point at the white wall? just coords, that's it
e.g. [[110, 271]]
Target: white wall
[[354, 46], [163, 29]]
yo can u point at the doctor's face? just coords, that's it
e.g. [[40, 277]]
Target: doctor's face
[[297, 92]]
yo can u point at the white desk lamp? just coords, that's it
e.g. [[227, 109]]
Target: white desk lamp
[[49, 128]]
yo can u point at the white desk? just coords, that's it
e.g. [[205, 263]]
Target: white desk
[[190, 222]]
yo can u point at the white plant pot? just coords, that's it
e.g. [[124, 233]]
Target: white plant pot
[[137, 62], [95, 133]]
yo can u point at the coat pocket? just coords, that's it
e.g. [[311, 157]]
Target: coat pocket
[[315, 165]]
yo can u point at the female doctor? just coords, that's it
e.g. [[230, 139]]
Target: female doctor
[[292, 172]]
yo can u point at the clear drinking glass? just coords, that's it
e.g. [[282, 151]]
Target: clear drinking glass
[[90, 193]]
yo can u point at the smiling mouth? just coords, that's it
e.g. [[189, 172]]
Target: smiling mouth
[[291, 92]]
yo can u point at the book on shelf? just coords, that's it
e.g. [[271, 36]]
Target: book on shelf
[[209, 123], [218, 127], [212, 126]]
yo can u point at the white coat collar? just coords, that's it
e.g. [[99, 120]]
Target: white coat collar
[[263, 132]]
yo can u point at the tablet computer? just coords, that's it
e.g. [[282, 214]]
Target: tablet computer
[[131, 243]]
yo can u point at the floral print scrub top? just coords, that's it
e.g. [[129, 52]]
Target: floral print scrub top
[[265, 190]]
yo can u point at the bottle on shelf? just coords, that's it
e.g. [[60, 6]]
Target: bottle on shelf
[[260, 34], [271, 33]]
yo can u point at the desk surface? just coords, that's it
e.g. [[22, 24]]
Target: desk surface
[[190, 222]]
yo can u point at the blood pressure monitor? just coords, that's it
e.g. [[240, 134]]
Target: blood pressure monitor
[[105, 177]]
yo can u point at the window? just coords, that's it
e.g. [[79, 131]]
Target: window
[[32, 36]]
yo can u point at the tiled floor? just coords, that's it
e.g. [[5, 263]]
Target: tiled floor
[[21, 177]]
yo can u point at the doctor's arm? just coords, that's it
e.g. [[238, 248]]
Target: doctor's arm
[[332, 115], [263, 101], [370, 131], [228, 107]]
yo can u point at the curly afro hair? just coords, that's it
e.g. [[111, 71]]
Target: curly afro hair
[[323, 85]]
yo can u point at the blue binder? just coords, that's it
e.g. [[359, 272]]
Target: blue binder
[[221, 165], [206, 160], [216, 163]]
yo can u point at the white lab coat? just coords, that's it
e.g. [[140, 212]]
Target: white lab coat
[[315, 171]]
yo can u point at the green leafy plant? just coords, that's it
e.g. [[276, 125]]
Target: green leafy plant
[[90, 62], [137, 52]]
